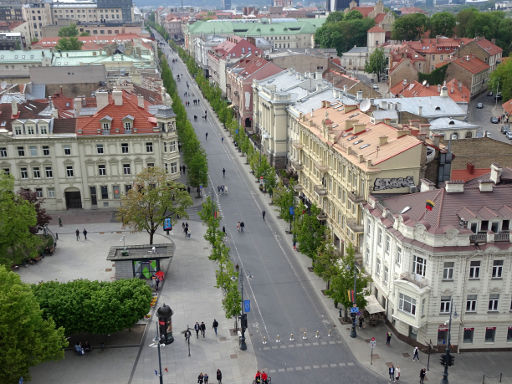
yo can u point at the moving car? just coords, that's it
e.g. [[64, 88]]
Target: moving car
[[494, 120], [509, 135], [505, 128], [480, 105]]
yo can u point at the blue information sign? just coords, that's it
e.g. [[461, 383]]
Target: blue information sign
[[292, 210], [354, 310], [247, 306], [20, 381], [167, 224]]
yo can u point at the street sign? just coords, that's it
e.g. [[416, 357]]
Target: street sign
[[247, 306], [167, 224], [354, 310], [292, 210]]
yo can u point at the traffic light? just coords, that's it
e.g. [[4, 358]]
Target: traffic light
[[443, 359], [243, 321], [451, 359]]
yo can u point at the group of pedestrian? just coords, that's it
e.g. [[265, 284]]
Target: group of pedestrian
[[82, 348], [183, 169], [261, 378], [77, 232], [203, 377], [200, 328], [184, 225], [394, 373], [240, 226]]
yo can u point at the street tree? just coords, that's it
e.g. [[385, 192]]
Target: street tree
[[92, 306], [68, 31], [69, 44], [501, 79], [17, 243], [410, 27], [343, 281], [209, 214], [42, 217], [325, 263], [153, 198], [442, 24], [353, 15], [27, 338], [335, 17], [377, 63], [283, 198], [308, 230]]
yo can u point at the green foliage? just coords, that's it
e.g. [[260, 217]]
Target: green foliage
[[68, 31], [93, 306], [410, 27], [26, 338], [69, 44], [85, 33], [343, 281], [435, 77], [353, 15], [308, 230], [283, 198], [335, 17], [153, 198], [502, 76], [442, 24], [377, 63], [344, 34], [18, 215], [325, 264]]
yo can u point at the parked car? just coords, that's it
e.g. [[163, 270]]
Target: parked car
[[494, 120], [505, 128], [509, 135], [490, 93], [498, 96], [480, 105], [375, 86]]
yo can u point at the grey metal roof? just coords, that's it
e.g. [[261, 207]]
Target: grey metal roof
[[444, 123], [430, 107], [162, 111], [385, 114], [358, 50]]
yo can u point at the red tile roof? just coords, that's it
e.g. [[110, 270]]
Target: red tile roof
[[507, 106], [379, 18], [365, 11], [466, 174], [376, 29], [486, 45], [471, 63], [416, 89], [143, 120]]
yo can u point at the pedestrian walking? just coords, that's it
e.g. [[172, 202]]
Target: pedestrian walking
[[361, 321], [203, 329], [238, 226], [197, 328], [391, 371], [242, 226], [223, 172], [222, 139], [157, 282], [215, 325], [205, 378], [184, 169], [263, 214], [206, 136], [200, 378], [60, 222], [77, 234], [219, 376], [223, 229], [423, 373], [388, 338], [416, 354], [85, 234], [397, 373]]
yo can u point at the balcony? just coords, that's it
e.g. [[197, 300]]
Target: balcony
[[478, 238], [483, 237], [502, 237], [296, 165], [356, 199], [417, 280], [321, 190], [355, 226], [322, 168], [298, 188], [321, 217], [297, 144]]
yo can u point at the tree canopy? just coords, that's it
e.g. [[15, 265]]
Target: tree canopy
[[410, 27], [502, 78], [442, 24], [93, 306], [42, 217], [376, 63], [68, 31], [69, 44], [153, 198], [27, 338], [18, 216], [335, 17]]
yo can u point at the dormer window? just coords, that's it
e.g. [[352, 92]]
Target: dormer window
[[18, 130], [128, 123], [44, 129], [106, 123]]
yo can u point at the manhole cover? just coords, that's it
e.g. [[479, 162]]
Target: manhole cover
[[234, 356], [406, 355]]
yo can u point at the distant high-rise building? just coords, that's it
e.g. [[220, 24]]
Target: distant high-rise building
[[338, 5], [429, 4], [125, 5], [282, 3], [226, 4]]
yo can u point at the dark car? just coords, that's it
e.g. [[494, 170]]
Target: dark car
[[479, 105], [495, 120], [505, 128], [498, 96]]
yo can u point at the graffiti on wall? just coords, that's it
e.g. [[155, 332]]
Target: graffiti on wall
[[392, 183]]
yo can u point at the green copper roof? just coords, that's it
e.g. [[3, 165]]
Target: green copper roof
[[300, 26]]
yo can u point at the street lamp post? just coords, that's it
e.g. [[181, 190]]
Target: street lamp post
[[243, 317], [159, 355], [447, 359], [429, 351], [353, 333]]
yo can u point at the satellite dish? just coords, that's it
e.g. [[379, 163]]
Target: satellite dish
[[424, 82], [365, 105]]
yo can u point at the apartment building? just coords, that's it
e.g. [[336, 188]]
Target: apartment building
[[89, 159], [343, 157], [440, 251], [38, 15]]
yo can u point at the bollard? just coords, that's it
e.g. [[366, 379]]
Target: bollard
[[305, 336], [264, 339], [317, 334], [292, 337], [278, 339]]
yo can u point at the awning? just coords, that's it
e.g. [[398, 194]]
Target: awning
[[372, 305]]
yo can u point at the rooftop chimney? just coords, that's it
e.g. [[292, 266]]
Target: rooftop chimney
[[426, 185], [420, 110], [454, 186], [359, 95], [140, 101], [117, 95], [383, 140], [485, 185], [444, 91], [14, 108], [101, 100], [77, 106], [495, 173]]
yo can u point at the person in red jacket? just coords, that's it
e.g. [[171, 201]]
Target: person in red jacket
[[257, 378], [264, 377]]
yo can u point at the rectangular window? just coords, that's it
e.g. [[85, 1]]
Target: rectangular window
[[468, 335], [387, 245], [407, 304], [149, 147], [128, 126], [379, 237], [99, 149], [24, 173], [398, 259], [471, 303], [48, 172], [33, 150], [102, 170], [104, 192], [497, 269], [377, 267], [505, 225], [69, 171], [386, 273], [166, 166], [126, 169], [490, 334], [493, 302], [44, 129], [46, 150], [3, 152], [51, 192], [39, 192], [174, 167], [127, 188], [474, 270], [67, 150], [150, 165], [117, 192], [448, 270], [106, 126], [7, 171], [36, 172], [165, 146], [442, 335], [21, 151], [419, 266], [484, 226], [172, 146], [368, 225], [509, 334], [445, 304], [124, 147]]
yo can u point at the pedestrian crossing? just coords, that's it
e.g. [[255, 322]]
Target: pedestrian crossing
[[299, 345], [312, 367]]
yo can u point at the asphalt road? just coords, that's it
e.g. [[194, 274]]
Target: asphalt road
[[482, 117], [282, 299]]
